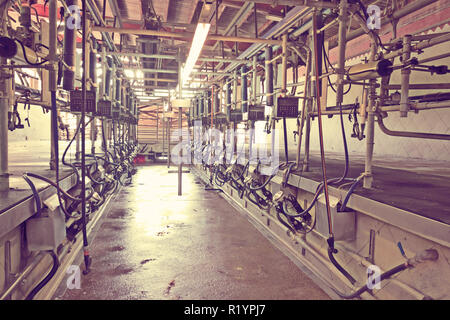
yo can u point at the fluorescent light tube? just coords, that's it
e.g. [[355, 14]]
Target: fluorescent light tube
[[201, 32]]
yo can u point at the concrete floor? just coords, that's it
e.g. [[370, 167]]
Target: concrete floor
[[155, 245]]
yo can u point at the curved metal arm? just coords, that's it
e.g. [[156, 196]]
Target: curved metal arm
[[420, 135]]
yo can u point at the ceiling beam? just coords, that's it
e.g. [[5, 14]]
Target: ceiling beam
[[185, 35], [301, 3]]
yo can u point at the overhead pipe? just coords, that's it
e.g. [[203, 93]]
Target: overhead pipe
[[289, 21], [303, 3]]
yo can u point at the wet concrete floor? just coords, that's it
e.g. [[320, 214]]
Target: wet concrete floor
[[154, 244]]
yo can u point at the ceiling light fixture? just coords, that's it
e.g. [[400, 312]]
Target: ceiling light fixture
[[201, 32]]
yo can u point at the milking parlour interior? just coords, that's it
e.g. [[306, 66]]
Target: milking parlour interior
[[221, 150]]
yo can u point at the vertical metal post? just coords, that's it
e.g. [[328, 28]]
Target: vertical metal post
[[370, 136], [53, 76], [5, 84], [235, 89], [269, 76], [244, 93], [69, 52], [83, 136], [404, 107], [169, 124], [284, 91], [180, 124], [228, 98], [308, 108], [306, 96], [284, 65], [254, 78], [163, 129], [93, 135], [342, 40], [213, 104]]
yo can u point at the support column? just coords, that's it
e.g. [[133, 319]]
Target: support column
[[342, 40], [370, 136], [5, 84]]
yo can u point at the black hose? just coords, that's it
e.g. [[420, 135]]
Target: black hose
[[54, 184], [26, 57], [54, 123], [259, 187], [37, 198], [77, 131], [349, 193], [331, 251], [384, 276], [47, 278], [279, 210]]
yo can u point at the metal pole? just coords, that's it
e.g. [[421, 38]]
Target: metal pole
[[244, 93], [283, 91], [254, 78], [52, 77], [169, 124], [5, 83], [180, 124], [308, 116], [405, 73], [269, 77], [368, 178], [341, 49], [83, 137], [306, 95]]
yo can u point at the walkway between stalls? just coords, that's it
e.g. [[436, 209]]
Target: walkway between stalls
[[153, 244]]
